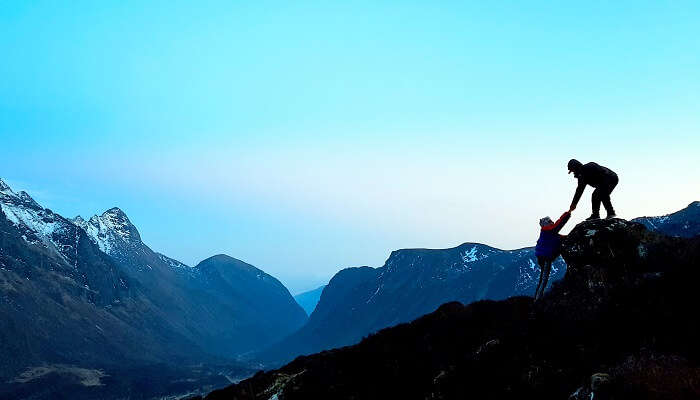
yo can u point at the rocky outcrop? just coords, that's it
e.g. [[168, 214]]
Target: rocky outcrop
[[620, 325], [607, 258]]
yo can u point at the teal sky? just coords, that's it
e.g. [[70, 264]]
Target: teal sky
[[304, 137]]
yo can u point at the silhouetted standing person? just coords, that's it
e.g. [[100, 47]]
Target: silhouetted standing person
[[602, 179]]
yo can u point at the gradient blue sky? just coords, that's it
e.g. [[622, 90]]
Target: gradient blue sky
[[304, 137]]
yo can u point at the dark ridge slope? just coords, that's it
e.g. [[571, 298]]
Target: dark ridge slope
[[622, 323], [253, 307]]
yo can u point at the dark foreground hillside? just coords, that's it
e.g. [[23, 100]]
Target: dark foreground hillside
[[622, 323]]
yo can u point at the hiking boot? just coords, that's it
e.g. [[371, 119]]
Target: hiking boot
[[611, 216], [593, 216]]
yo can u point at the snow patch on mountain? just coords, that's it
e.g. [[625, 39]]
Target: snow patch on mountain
[[112, 231], [109, 230], [8, 196], [473, 255], [37, 224], [682, 223], [41, 223], [5, 191], [174, 263], [379, 288]]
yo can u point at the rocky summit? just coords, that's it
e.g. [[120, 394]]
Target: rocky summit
[[622, 324]]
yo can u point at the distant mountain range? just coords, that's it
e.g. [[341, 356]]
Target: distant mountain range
[[683, 223], [308, 300], [90, 294], [228, 307], [414, 282]]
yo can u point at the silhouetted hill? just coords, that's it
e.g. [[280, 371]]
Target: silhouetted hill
[[621, 324]]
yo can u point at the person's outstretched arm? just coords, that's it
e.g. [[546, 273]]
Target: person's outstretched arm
[[556, 227], [562, 221], [579, 192]]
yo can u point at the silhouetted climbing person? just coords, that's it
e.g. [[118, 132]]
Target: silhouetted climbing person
[[548, 248], [602, 179]]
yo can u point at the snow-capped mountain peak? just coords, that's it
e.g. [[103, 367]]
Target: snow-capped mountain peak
[[8, 196], [111, 230], [37, 224], [116, 220], [6, 192], [25, 198], [4, 186]]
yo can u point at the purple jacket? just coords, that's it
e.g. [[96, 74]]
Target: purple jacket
[[549, 243]]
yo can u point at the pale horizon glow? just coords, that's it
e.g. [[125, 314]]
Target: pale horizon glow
[[306, 138]]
